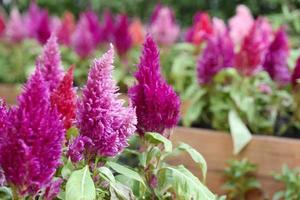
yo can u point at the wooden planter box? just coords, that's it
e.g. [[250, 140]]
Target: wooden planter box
[[268, 152]]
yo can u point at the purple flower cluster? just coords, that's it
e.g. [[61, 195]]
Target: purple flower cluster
[[157, 105], [276, 58], [101, 115], [31, 139], [218, 54]]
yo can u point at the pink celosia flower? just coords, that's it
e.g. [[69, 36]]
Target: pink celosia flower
[[82, 39], [122, 38], [201, 29], [66, 29], [164, 29], [254, 47], [157, 105], [51, 64], [296, 73], [240, 24], [219, 27], [276, 58], [31, 146], [108, 27], [15, 30], [218, 54], [64, 98], [265, 88], [102, 117], [32, 19], [94, 26]]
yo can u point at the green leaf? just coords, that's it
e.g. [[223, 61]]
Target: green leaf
[[67, 169], [120, 191], [241, 136], [80, 185], [72, 132], [196, 156], [181, 181], [125, 171], [106, 174], [156, 138], [5, 193]]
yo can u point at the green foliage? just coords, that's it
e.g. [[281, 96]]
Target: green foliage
[[80, 185], [165, 181], [240, 179], [291, 180], [239, 132]]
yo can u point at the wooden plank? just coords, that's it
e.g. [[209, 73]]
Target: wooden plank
[[268, 152]]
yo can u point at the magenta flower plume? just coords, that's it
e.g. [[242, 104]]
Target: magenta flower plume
[[77, 147], [94, 26], [164, 29], [44, 27], [218, 54], [276, 58], [32, 19], [107, 27], [82, 39], [51, 63], [157, 105], [31, 146], [101, 115], [122, 38], [64, 99], [53, 189], [15, 29], [296, 73], [254, 47]]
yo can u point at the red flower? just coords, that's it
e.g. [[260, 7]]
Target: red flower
[[64, 98]]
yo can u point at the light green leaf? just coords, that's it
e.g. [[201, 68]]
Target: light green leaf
[[80, 185], [106, 174], [121, 192], [182, 182], [125, 171], [67, 169], [240, 134], [156, 138], [196, 156]]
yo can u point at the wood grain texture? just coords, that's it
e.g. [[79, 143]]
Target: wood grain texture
[[268, 152]]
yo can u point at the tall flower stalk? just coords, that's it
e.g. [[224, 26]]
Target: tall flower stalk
[[157, 104]]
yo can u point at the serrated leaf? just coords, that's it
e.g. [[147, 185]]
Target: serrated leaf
[[80, 185], [196, 156], [156, 138], [125, 171], [182, 182], [240, 134]]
